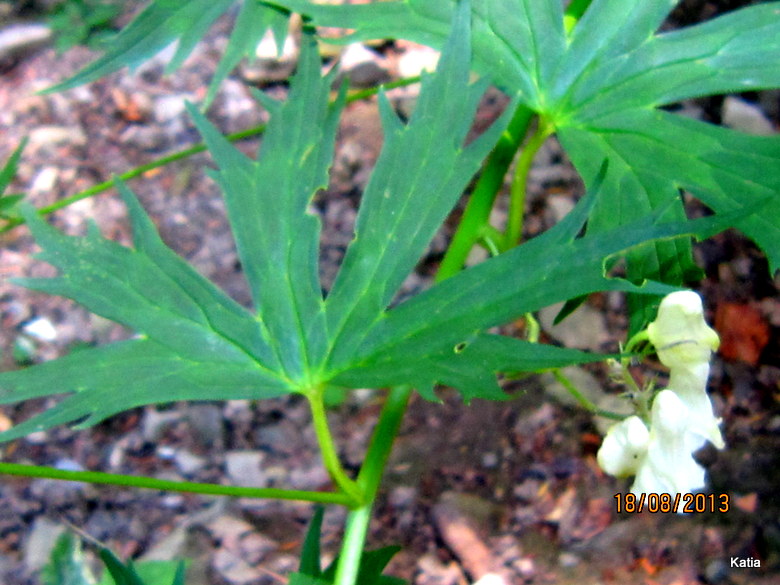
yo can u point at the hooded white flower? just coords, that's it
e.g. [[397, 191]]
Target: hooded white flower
[[679, 333], [684, 343], [681, 418], [624, 447], [668, 465]]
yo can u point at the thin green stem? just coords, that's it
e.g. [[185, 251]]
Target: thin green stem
[[636, 339], [584, 402], [533, 328], [368, 481], [517, 193], [182, 154], [330, 457], [100, 477], [477, 213]]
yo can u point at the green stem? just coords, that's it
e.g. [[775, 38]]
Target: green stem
[[477, 213], [584, 402], [330, 457], [517, 193], [182, 154], [368, 481], [100, 477]]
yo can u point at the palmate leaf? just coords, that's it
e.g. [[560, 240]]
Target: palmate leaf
[[194, 343], [163, 22], [436, 336], [601, 87]]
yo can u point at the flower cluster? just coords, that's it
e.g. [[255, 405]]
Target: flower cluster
[[660, 454]]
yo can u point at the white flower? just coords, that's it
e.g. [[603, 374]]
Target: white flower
[[681, 418], [624, 447], [660, 457], [679, 333], [668, 465], [684, 343]]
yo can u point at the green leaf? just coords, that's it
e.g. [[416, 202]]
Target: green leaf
[[8, 172], [121, 574], [420, 174], [372, 563], [196, 343], [164, 21], [253, 19], [276, 236], [67, 565], [601, 88], [143, 573], [419, 340], [310, 553], [513, 41]]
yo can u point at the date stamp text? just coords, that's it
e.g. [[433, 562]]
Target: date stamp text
[[667, 503]]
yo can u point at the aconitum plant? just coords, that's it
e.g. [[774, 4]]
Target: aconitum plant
[[594, 74]]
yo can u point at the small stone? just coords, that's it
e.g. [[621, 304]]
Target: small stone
[[568, 560], [18, 39], [255, 546], [41, 329], [269, 65], [155, 423], [207, 423], [243, 468], [583, 329], [45, 180], [232, 568], [40, 542], [228, 530], [189, 463], [363, 67], [309, 478], [51, 136], [416, 60], [746, 117], [559, 206], [169, 107]]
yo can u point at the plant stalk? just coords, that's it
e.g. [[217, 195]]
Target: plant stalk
[[330, 457], [99, 477], [368, 481], [477, 213], [517, 192]]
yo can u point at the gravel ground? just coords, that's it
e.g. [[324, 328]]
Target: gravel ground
[[520, 497]]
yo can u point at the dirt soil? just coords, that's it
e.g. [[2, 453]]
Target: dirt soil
[[510, 489]]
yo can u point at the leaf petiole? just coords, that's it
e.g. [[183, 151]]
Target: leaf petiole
[[330, 457], [100, 477], [517, 192]]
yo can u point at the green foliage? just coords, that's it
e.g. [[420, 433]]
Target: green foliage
[[197, 344], [145, 573], [9, 201], [597, 74], [83, 22], [164, 21], [310, 572], [67, 565], [601, 87]]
